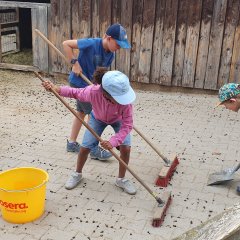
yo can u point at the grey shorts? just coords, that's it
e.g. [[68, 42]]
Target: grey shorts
[[84, 107]]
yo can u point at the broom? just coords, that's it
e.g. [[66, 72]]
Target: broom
[[163, 204], [169, 167]]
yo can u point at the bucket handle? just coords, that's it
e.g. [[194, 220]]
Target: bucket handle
[[26, 189]]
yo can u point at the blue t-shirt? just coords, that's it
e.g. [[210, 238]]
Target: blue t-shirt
[[91, 56]]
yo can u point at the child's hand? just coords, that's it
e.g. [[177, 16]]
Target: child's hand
[[106, 145], [47, 85], [50, 86]]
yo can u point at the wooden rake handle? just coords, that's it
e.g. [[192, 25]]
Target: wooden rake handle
[[167, 161], [159, 200]]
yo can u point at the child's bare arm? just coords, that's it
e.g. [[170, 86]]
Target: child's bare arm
[[69, 46]]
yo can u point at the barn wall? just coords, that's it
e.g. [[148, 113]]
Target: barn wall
[[186, 43]]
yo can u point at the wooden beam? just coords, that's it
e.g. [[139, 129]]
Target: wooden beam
[[104, 16], [231, 23], [235, 66], [179, 51], [225, 226], [126, 21], [192, 37], [215, 44], [26, 68], [9, 24], [203, 45], [81, 19], [116, 18], [146, 40], [7, 32], [136, 37], [9, 10], [22, 4], [168, 42]]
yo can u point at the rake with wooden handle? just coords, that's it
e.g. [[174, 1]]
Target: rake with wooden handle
[[162, 203], [169, 167]]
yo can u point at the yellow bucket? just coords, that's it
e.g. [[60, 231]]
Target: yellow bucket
[[22, 194]]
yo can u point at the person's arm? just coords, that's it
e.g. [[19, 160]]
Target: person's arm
[[83, 94], [69, 46], [126, 127]]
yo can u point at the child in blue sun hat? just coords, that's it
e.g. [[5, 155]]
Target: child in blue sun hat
[[111, 97], [229, 96]]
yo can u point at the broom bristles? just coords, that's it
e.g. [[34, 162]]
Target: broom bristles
[[163, 181], [160, 212]]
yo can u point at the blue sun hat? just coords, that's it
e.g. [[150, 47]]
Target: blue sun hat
[[119, 33], [228, 91], [118, 86]]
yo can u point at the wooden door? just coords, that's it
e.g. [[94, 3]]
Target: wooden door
[[40, 48]]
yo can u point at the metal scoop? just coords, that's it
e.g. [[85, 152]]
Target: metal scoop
[[222, 177]]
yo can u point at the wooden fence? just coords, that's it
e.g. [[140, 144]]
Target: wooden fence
[[187, 43]]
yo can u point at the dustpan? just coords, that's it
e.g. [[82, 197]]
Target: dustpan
[[223, 176]]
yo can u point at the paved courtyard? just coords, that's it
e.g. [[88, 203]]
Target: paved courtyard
[[34, 128]]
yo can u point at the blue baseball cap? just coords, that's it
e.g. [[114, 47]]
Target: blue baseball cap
[[228, 91], [118, 32], [118, 86]]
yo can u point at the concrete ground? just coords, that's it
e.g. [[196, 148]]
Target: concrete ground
[[34, 128]]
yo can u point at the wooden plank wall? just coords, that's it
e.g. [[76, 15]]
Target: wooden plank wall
[[231, 22], [203, 43], [60, 30], [168, 42], [235, 61], [215, 44], [185, 43], [40, 48], [192, 37], [146, 41]]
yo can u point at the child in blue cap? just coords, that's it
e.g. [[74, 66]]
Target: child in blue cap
[[229, 96], [93, 53], [111, 99]]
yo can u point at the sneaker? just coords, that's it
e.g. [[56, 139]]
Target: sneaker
[[73, 180], [126, 185], [73, 146], [99, 153]]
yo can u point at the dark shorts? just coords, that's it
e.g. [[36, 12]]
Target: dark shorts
[[84, 107]]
